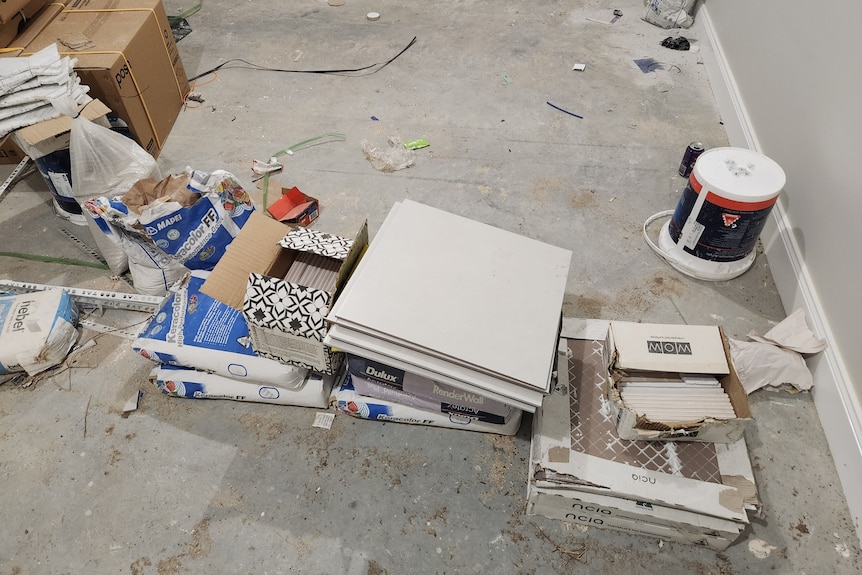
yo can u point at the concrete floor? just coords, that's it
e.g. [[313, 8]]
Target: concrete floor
[[185, 486]]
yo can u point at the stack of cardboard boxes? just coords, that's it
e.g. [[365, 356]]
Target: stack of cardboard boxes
[[598, 462], [126, 54]]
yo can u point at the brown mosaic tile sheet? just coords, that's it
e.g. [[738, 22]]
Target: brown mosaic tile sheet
[[594, 432]]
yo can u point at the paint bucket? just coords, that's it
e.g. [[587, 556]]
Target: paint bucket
[[56, 169], [715, 226]]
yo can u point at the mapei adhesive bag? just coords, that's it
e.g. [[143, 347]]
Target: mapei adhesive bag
[[191, 329], [170, 226]]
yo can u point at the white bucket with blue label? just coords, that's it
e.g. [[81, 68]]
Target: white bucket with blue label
[[714, 229]]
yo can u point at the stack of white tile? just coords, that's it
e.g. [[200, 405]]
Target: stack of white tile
[[582, 472], [456, 301], [686, 397]]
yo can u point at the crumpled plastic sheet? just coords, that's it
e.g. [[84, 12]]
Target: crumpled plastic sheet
[[391, 159]]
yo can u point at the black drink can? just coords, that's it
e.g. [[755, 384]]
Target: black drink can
[[693, 150]]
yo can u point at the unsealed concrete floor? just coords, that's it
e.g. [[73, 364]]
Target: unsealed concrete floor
[[209, 486]]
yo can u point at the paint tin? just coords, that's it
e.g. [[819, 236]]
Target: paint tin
[[692, 151], [723, 209]]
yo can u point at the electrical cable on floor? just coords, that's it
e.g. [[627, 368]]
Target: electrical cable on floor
[[370, 69], [672, 262]]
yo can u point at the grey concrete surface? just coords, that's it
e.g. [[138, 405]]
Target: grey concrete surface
[[187, 486]]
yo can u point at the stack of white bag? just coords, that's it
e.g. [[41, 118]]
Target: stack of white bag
[[204, 351], [38, 88]]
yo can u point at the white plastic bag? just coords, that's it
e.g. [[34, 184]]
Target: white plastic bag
[[669, 13], [106, 163]]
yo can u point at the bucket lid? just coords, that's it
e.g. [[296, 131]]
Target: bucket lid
[[739, 174]]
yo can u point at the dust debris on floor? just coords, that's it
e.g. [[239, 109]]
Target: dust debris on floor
[[361, 300]]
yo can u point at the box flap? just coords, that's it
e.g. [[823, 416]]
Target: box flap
[[52, 128], [667, 347], [254, 250], [320, 243]]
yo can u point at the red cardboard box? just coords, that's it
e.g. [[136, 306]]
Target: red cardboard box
[[294, 207]]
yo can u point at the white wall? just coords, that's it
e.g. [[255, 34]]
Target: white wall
[[788, 82]]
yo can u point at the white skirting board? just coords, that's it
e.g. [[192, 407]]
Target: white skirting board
[[838, 404]]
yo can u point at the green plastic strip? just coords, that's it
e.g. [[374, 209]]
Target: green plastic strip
[[323, 139], [193, 10], [53, 260]]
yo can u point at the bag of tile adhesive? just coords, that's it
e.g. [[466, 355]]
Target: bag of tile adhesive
[[37, 330], [170, 226], [191, 329], [105, 163]]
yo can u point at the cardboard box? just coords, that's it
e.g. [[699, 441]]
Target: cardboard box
[[53, 135], [128, 64], [10, 9], [656, 348], [47, 144], [286, 320], [378, 390], [412, 385], [15, 16], [294, 207], [575, 449], [32, 28], [571, 510], [562, 503], [10, 152], [346, 399], [157, 8]]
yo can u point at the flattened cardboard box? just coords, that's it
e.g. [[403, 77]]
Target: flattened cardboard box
[[569, 504], [286, 320], [674, 348], [128, 65], [575, 446], [548, 506], [53, 135]]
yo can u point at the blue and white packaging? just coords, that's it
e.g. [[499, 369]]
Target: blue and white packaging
[[346, 399], [198, 235], [191, 329], [184, 382], [168, 238], [37, 330]]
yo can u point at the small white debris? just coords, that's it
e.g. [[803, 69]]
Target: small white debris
[[843, 550], [323, 420], [760, 548], [131, 403]]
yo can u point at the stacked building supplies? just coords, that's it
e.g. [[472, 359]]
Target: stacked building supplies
[[457, 302], [674, 382], [372, 390], [37, 88], [204, 351], [581, 471]]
